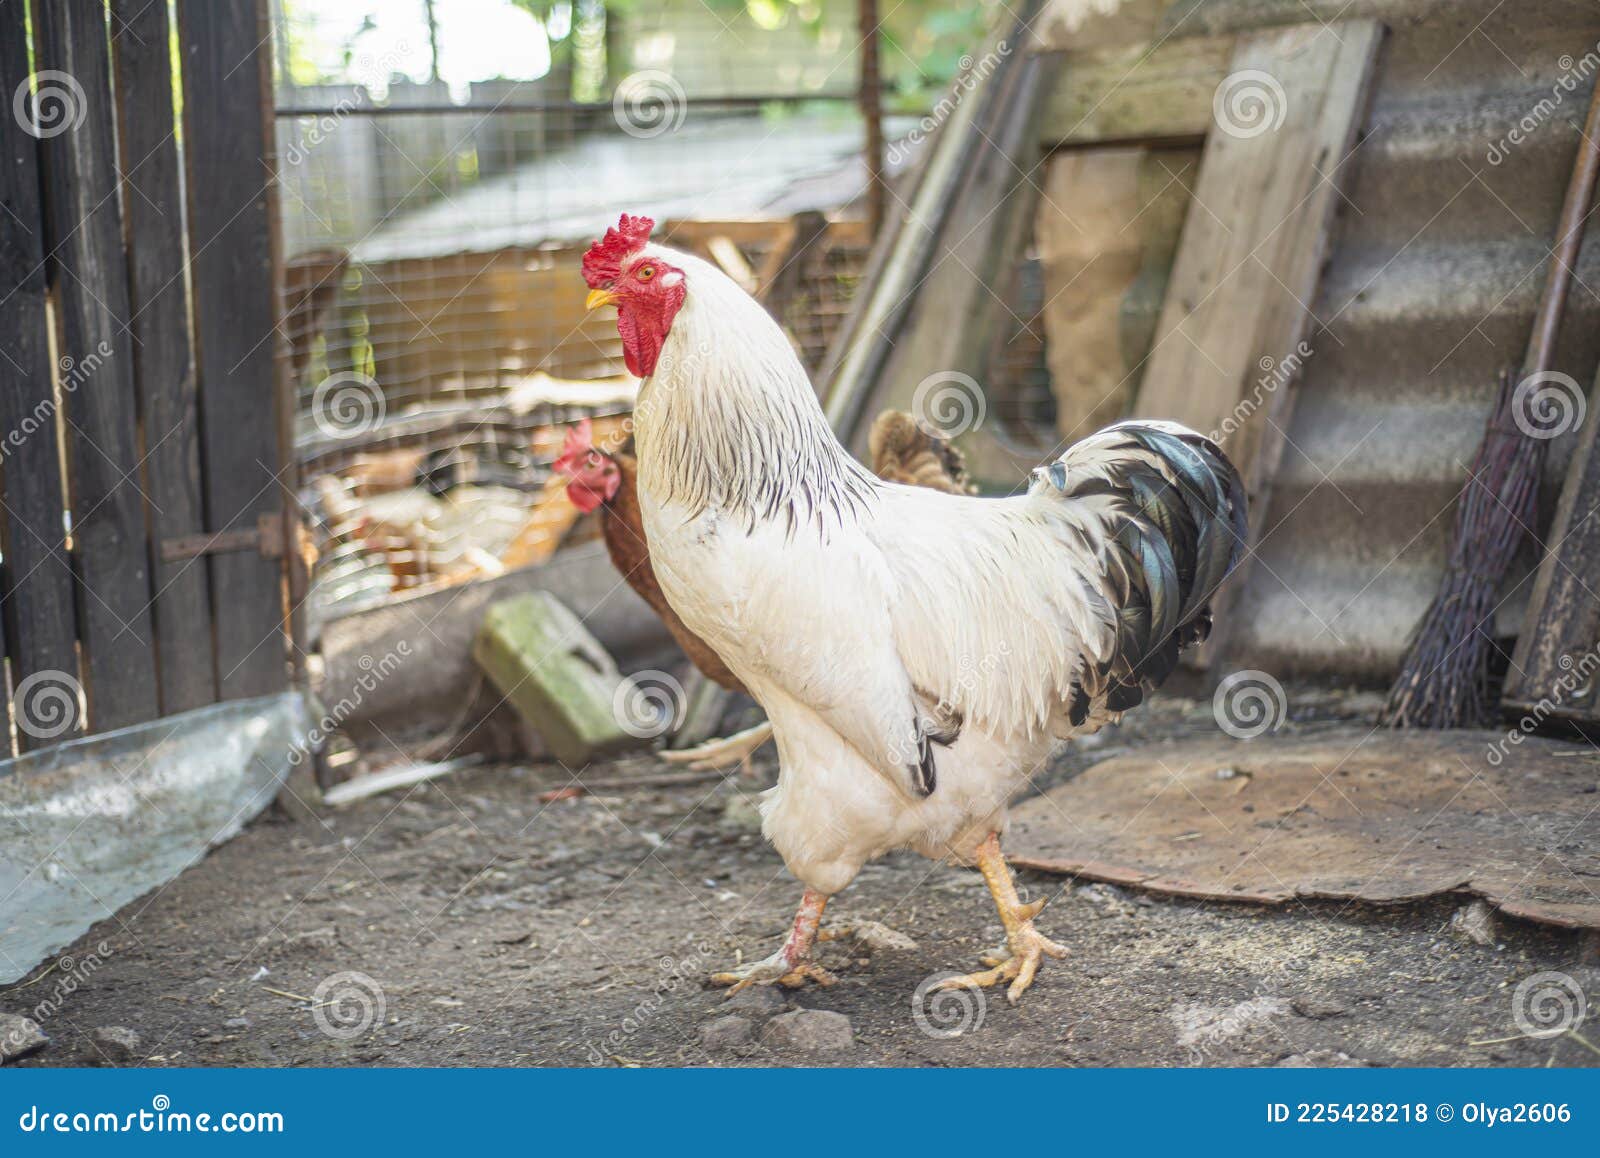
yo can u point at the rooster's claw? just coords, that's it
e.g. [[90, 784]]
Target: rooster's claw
[[774, 970]]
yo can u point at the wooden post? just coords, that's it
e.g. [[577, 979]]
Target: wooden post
[[88, 273], [871, 99], [162, 364], [36, 606], [297, 570], [231, 274], [1553, 670]]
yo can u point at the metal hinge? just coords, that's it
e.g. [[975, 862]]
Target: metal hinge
[[266, 536]]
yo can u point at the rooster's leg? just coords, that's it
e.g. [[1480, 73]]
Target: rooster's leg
[[723, 753], [791, 966], [1025, 947]]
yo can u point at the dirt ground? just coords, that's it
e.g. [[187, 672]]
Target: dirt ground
[[490, 928]]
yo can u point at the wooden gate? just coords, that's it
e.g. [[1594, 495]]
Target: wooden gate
[[142, 487]]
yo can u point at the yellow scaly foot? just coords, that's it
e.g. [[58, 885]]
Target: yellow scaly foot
[[1025, 948]]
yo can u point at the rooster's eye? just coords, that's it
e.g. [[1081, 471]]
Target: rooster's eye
[[646, 272]]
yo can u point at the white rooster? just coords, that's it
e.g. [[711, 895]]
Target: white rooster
[[919, 654]]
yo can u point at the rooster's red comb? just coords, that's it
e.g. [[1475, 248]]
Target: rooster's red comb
[[603, 263]]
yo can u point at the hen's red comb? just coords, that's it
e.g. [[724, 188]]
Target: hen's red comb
[[579, 442], [603, 262]]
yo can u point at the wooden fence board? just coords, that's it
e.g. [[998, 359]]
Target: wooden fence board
[[163, 366], [88, 272], [36, 583], [223, 52], [1251, 256]]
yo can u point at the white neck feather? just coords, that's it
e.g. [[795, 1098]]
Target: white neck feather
[[729, 419]]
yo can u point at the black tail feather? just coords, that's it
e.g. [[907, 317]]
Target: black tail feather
[[1178, 524]]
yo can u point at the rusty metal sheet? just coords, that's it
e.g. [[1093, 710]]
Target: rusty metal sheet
[[1368, 815]]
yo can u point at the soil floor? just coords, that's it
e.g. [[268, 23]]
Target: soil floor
[[467, 922]]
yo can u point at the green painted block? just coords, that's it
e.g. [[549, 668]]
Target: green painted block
[[556, 675]]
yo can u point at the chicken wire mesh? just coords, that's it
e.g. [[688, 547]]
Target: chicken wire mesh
[[443, 165]]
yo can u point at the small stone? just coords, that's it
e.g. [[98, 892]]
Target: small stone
[[19, 1036], [727, 1033], [758, 1001], [879, 938], [809, 1031], [1474, 923], [1319, 1008], [236, 1023], [118, 1043], [1321, 1059]]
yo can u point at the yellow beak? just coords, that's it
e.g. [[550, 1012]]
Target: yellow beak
[[598, 298]]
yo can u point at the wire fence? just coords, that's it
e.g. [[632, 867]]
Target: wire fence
[[432, 224]]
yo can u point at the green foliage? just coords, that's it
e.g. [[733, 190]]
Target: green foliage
[[923, 43], [927, 42]]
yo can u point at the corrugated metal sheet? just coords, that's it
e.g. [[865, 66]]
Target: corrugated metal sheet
[[1432, 284]]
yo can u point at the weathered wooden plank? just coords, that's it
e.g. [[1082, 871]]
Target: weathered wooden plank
[[1555, 670], [1078, 24], [226, 151], [36, 603], [89, 279], [928, 328], [1239, 301], [153, 222], [1152, 91]]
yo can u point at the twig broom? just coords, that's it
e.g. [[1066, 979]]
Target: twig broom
[[1443, 680]]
